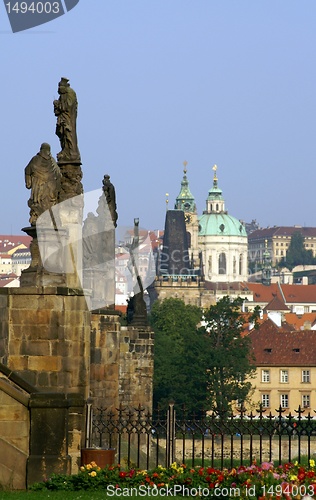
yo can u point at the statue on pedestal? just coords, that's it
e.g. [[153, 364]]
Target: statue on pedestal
[[65, 108], [43, 177]]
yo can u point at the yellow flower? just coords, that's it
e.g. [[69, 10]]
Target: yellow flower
[[312, 463], [93, 473], [82, 468], [293, 477]]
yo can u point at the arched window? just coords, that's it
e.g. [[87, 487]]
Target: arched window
[[240, 264], [234, 265], [222, 263]]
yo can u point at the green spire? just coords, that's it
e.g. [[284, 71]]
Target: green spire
[[185, 200], [215, 201]]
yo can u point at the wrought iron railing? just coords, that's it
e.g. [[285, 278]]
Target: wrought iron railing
[[147, 439]]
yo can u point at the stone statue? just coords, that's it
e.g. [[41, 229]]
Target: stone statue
[[136, 306], [43, 177], [65, 108], [109, 192]]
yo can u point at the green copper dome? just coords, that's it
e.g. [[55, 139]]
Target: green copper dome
[[215, 221], [220, 224]]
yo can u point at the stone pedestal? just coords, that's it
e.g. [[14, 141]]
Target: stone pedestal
[[49, 435], [45, 337], [47, 252]]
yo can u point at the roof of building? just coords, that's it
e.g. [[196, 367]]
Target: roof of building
[[299, 293], [301, 321], [11, 241], [273, 346], [291, 294], [287, 231], [276, 304]]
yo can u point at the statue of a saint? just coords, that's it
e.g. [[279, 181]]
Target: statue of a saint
[[42, 176], [65, 108], [109, 192]]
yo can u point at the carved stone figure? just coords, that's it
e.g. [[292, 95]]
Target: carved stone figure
[[42, 176], [109, 192], [65, 108]]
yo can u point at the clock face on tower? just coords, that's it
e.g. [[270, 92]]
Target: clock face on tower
[[187, 218], [187, 206]]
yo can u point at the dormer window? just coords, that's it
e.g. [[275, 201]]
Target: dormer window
[[268, 349], [296, 349]]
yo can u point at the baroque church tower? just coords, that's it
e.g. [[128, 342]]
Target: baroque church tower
[[222, 240]]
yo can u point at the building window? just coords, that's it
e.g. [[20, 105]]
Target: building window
[[222, 264], [284, 376], [306, 401], [240, 264], [284, 400], [265, 400], [305, 376], [265, 376]]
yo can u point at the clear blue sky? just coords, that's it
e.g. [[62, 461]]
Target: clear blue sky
[[231, 82]]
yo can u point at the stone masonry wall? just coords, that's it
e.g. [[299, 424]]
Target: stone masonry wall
[[104, 368], [136, 367], [45, 337], [121, 363], [14, 436]]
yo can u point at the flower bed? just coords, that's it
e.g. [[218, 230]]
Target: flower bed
[[260, 482]]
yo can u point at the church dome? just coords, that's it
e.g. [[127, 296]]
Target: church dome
[[220, 224], [215, 220]]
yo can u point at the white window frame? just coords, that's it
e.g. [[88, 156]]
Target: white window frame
[[284, 376], [306, 401], [265, 400], [284, 400], [306, 376], [265, 376]]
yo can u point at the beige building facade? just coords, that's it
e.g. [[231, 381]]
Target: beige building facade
[[285, 369], [277, 239]]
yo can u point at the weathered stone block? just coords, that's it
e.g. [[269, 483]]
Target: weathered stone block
[[45, 363]]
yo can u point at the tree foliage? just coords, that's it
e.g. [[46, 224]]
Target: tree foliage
[[177, 345], [229, 355], [296, 253], [200, 366]]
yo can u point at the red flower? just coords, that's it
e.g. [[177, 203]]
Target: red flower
[[210, 470], [122, 474]]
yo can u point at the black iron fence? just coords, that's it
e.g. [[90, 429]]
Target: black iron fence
[[145, 439]]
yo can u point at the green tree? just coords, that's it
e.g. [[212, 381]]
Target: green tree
[[177, 373], [230, 365], [204, 367], [296, 253]]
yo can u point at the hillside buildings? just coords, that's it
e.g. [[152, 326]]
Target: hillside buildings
[[277, 239]]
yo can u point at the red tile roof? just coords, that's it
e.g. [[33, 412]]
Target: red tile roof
[[273, 346], [299, 293], [276, 304]]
